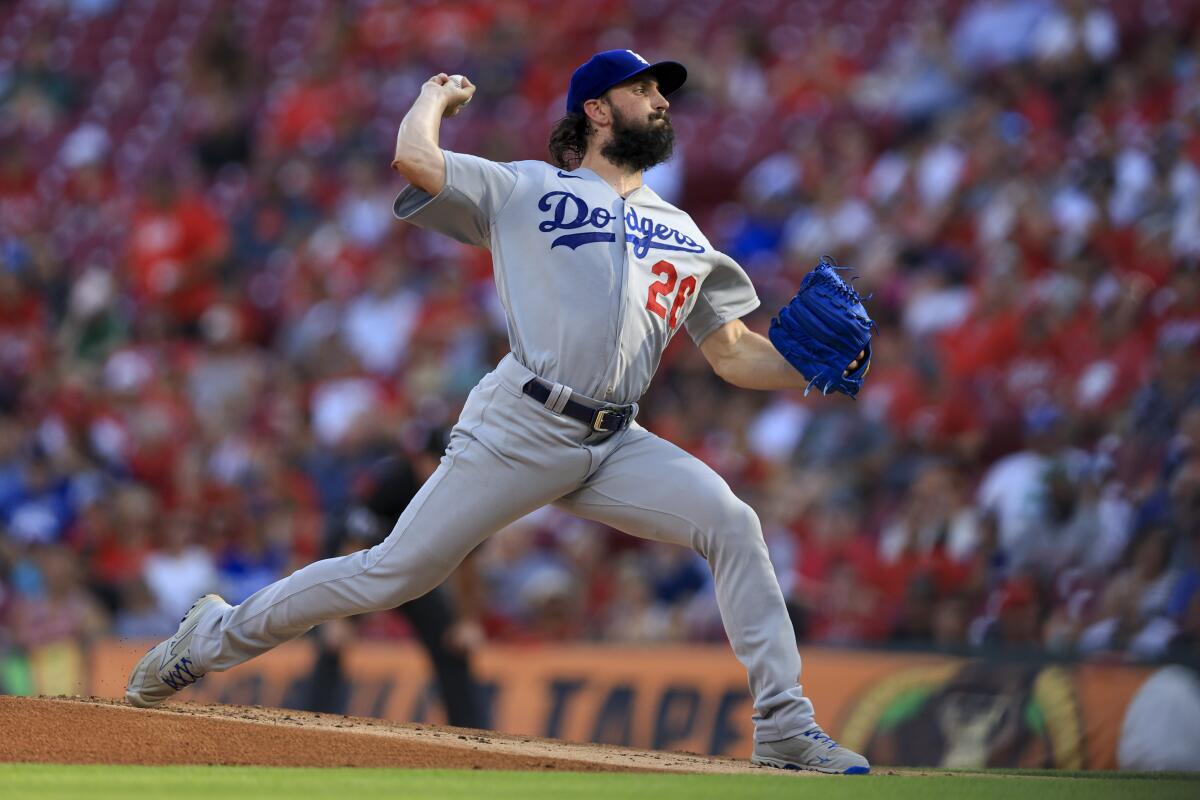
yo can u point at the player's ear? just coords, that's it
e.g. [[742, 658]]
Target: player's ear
[[598, 111]]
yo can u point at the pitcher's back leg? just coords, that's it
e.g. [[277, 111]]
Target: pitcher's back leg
[[652, 489]]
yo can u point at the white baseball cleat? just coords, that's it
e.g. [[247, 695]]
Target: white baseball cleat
[[813, 750], [168, 667]]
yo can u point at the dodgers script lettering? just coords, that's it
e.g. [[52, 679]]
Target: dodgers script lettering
[[569, 212]]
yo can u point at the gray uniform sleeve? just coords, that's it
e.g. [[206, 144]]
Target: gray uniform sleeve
[[475, 191], [726, 294]]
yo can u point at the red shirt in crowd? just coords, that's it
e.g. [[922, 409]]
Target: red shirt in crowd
[[172, 254]]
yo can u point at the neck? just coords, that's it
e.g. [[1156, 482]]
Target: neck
[[621, 180]]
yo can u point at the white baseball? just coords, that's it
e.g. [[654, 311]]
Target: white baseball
[[457, 80]]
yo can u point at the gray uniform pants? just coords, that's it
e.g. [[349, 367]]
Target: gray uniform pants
[[509, 455]]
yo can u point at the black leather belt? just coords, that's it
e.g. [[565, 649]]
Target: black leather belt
[[600, 418]]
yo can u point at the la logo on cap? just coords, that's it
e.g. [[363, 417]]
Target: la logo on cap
[[639, 58]]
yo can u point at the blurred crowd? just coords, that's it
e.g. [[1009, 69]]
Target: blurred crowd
[[211, 326]]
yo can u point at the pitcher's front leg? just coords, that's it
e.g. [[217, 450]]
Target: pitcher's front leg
[[474, 492]]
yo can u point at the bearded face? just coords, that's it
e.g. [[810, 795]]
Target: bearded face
[[639, 144]]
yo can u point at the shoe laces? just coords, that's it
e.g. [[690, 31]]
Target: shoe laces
[[180, 675], [820, 737]]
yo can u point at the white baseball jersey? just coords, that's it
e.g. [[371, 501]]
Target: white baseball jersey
[[594, 285]]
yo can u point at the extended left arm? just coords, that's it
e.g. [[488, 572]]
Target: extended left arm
[[746, 359]]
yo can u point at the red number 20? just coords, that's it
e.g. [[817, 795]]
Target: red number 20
[[664, 287]]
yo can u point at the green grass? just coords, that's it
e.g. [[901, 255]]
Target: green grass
[[268, 783]]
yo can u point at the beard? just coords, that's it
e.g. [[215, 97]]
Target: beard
[[638, 147]]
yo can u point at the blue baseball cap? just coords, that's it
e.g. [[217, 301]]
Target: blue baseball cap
[[605, 70]]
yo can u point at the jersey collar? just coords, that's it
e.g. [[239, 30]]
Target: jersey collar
[[587, 174]]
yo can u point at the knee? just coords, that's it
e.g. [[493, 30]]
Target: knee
[[734, 529], [397, 580], [739, 517], [405, 590]]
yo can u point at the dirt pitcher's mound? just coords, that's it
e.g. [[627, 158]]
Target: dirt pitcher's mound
[[98, 731]]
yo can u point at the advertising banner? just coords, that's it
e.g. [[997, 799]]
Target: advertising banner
[[898, 708]]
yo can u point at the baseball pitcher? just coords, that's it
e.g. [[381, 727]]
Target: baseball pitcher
[[596, 274]]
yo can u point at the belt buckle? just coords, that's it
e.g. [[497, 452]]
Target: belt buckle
[[601, 415]]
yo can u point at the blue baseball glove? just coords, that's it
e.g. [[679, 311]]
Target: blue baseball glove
[[825, 333]]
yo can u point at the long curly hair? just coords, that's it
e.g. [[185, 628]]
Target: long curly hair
[[569, 140]]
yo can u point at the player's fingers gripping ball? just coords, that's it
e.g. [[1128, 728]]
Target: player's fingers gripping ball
[[825, 332], [461, 91]]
